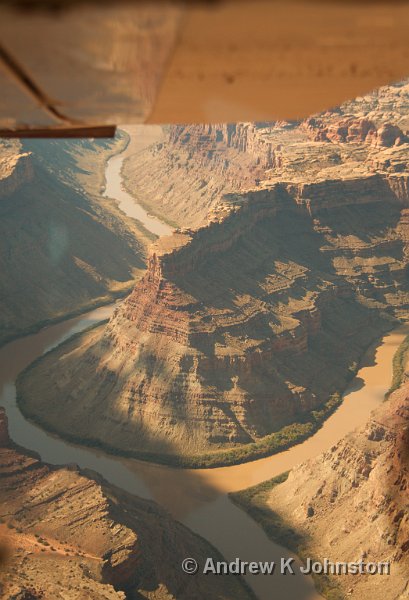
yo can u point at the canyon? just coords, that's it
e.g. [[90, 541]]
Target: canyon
[[245, 329], [63, 247], [68, 533], [249, 322], [184, 176], [222, 341], [350, 503], [198, 497]]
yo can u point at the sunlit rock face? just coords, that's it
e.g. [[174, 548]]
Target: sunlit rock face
[[240, 327], [62, 529], [351, 502], [185, 175], [246, 323]]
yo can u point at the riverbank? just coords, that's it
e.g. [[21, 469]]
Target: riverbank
[[399, 365], [114, 187], [277, 442], [98, 180], [254, 502], [65, 248], [334, 506], [198, 497], [152, 134], [270, 445], [106, 301]]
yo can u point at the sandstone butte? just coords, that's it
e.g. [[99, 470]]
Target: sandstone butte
[[350, 503], [64, 531], [250, 320]]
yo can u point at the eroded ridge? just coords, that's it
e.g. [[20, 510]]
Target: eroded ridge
[[240, 327], [63, 531]]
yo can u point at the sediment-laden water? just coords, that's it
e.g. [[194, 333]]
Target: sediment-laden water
[[197, 497]]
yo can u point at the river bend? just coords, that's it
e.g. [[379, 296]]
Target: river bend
[[197, 497]]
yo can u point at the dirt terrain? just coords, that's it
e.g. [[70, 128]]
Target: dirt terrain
[[69, 535], [349, 503]]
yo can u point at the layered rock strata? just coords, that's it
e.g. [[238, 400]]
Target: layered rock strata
[[65, 534], [185, 175], [55, 227], [251, 321], [237, 329], [351, 503]]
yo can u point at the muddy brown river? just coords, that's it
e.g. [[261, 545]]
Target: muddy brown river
[[140, 137], [198, 498]]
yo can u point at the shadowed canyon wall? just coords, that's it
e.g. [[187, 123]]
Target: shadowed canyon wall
[[63, 247]]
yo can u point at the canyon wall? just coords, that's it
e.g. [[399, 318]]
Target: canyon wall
[[239, 328], [236, 214], [210, 139], [251, 320], [55, 228], [350, 503], [183, 177], [68, 532]]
